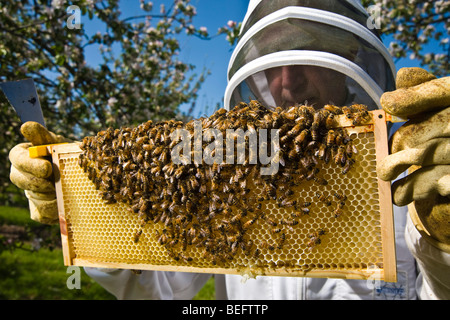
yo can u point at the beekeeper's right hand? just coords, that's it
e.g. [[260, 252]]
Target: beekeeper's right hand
[[34, 175], [421, 145]]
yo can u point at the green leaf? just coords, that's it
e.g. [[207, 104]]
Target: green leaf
[[60, 59]]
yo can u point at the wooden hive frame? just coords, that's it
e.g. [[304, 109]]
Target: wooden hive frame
[[98, 235]]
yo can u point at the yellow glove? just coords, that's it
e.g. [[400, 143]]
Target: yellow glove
[[34, 175], [421, 145]]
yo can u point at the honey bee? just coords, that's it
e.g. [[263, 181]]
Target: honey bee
[[315, 126], [295, 130], [156, 171], [339, 209], [315, 133], [339, 137], [231, 199], [265, 245], [129, 166], [330, 138], [340, 157], [137, 236], [293, 154], [220, 112], [312, 174], [157, 151], [329, 121], [215, 183], [289, 222], [162, 237], [275, 230], [320, 151], [237, 218], [287, 203], [271, 222], [228, 227], [281, 241], [279, 158], [358, 108], [180, 219], [249, 223], [349, 149], [347, 166], [256, 253], [247, 247], [184, 240], [347, 111], [185, 257], [301, 137], [313, 242], [270, 191], [173, 243], [340, 196], [345, 137], [323, 198], [290, 114], [300, 212], [234, 237], [164, 157], [320, 181], [315, 239], [357, 119], [333, 109], [173, 255], [365, 115]]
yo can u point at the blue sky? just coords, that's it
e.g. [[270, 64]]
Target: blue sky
[[210, 54]]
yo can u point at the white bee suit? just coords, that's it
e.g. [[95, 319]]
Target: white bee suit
[[330, 34], [157, 285]]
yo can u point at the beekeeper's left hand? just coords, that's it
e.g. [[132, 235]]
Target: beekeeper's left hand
[[421, 145]]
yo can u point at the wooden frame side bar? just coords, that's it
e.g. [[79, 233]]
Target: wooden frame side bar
[[385, 200], [57, 151]]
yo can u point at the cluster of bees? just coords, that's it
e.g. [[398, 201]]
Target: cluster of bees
[[213, 208]]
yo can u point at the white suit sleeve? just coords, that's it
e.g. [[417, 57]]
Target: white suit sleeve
[[149, 285], [433, 281]]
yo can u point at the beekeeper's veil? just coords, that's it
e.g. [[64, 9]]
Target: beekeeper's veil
[[332, 34]]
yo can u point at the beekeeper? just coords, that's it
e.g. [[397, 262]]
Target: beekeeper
[[316, 52]]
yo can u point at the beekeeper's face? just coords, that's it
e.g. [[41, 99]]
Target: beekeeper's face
[[300, 84]]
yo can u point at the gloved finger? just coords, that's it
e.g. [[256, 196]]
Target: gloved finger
[[432, 216], [38, 135], [44, 211], [19, 158], [422, 184], [40, 195], [411, 101], [432, 152], [27, 181], [410, 77], [418, 131]]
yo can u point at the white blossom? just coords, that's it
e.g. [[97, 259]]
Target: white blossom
[[57, 4], [112, 101], [231, 23]]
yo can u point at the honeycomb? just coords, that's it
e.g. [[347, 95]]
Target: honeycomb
[[322, 244]]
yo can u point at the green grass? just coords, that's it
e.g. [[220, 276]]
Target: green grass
[[42, 275], [208, 291], [17, 216], [27, 274]]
